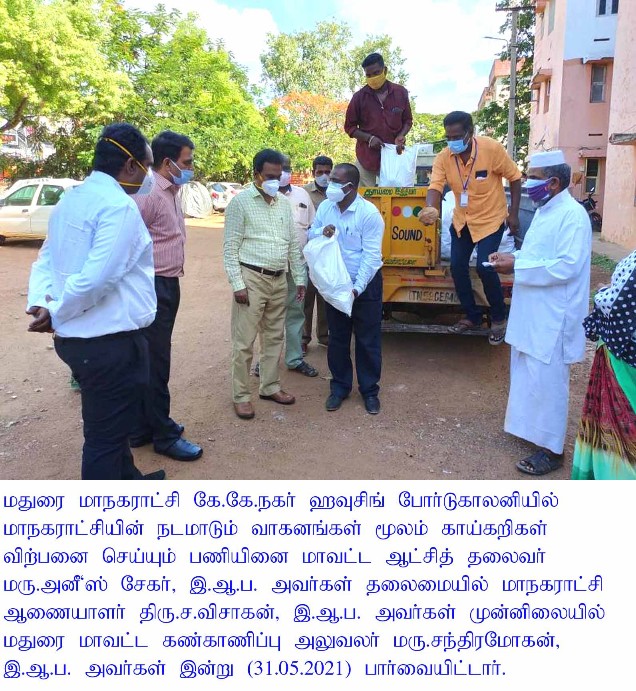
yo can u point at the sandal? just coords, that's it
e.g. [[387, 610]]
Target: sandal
[[462, 326], [497, 333], [540, 463]]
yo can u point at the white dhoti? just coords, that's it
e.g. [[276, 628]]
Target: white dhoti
[[538, 399]]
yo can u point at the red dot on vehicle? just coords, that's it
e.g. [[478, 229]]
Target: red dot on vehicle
[[397, 210]]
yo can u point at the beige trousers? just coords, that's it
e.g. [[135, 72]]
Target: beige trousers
[[265, 313], [367, 177]]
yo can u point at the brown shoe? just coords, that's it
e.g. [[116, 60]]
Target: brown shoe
[[280, 397], [244, 410]]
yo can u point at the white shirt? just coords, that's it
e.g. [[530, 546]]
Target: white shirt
[[551, 291], [303, 210], [96, 263], [360, 230]]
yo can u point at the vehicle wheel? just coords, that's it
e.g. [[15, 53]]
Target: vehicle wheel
[[597, 222]]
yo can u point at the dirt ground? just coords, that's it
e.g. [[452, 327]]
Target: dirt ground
[[443, 399]]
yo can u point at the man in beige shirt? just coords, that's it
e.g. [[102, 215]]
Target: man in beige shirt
[[260, 245]]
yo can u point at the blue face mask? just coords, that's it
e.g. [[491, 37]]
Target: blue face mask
[[184, 177], [457, 146]]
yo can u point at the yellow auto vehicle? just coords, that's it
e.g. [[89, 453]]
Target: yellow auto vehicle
[[419, 293]]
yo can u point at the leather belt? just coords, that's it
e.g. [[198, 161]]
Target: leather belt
[[260, 270]]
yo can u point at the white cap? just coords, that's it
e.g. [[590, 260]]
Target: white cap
[[544, 159]]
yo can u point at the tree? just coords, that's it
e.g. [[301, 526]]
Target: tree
[[312, 125], [493, 118], [51, 65], [428, 128], [324, 61]]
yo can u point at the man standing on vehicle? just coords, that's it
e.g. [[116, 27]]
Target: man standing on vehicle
[[260, 246], [360, 229], [378, 114], [93, 284], [162, 214], [549, 302], [473, 167], [321, 169]]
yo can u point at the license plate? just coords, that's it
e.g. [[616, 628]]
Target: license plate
[[428, 295]]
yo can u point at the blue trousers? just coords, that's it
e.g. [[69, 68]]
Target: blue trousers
[[365, 324], [461, 249]]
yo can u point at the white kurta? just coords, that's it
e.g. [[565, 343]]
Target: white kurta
[[545, 329]]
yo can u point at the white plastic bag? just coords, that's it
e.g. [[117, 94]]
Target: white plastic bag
[[328, 272], [397, 170]]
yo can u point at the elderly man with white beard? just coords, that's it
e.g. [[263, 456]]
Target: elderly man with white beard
[[550, 300]]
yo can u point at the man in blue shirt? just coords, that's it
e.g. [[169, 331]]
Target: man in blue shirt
[[360, 229]]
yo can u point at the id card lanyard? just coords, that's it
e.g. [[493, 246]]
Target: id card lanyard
[[463, 199]]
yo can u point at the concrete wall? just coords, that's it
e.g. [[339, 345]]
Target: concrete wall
[[583, 26], [619, 216]]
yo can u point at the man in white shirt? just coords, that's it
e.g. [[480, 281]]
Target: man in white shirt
[[549, 302], [93, 285], [360, 229]]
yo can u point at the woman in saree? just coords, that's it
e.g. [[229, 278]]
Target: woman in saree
[[606, 443]]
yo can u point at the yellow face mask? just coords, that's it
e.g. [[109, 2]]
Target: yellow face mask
[[377, 82]]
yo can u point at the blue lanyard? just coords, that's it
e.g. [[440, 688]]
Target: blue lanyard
[[465, 184]]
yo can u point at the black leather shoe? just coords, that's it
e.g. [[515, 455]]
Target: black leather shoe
[[182, 450], [372, 404], [333, 402], [157, 475]]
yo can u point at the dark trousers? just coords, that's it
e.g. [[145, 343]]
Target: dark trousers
[[461, 249], [154, 419], [112, 372], [312, 296], [365, 324]]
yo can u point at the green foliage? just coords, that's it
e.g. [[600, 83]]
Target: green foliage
[[493, 118], [324, 61], [428, 128]]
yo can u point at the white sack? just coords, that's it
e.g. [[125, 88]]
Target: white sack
[[397, 170], [328, 272]]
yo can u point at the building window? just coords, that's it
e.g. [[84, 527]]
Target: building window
[[592, 168], [551, 10], [546, 95], [597, 88], [606, 7]]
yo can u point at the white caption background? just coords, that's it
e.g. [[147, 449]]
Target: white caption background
[[212, 584]]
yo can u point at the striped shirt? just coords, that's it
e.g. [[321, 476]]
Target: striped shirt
[[262, 234], [162, 214]]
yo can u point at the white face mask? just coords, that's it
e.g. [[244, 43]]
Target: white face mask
[[322, 180], [270, 187], [147, 184], [285, 178], [335, 191]]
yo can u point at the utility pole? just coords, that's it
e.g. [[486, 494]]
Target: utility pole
[[512, 102]]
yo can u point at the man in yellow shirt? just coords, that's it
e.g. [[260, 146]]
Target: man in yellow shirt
[[473, 167]]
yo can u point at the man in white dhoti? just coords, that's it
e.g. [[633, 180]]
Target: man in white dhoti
[[550, 300]]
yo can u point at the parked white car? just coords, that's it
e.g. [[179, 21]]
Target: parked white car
[[222, 193], [25, 208]]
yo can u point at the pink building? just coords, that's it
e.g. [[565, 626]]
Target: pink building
[[572, 86], [498, 88], [619, 218]]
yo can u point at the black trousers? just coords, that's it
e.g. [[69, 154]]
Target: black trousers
[[112, 372], [154, 417], [365, 324]]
